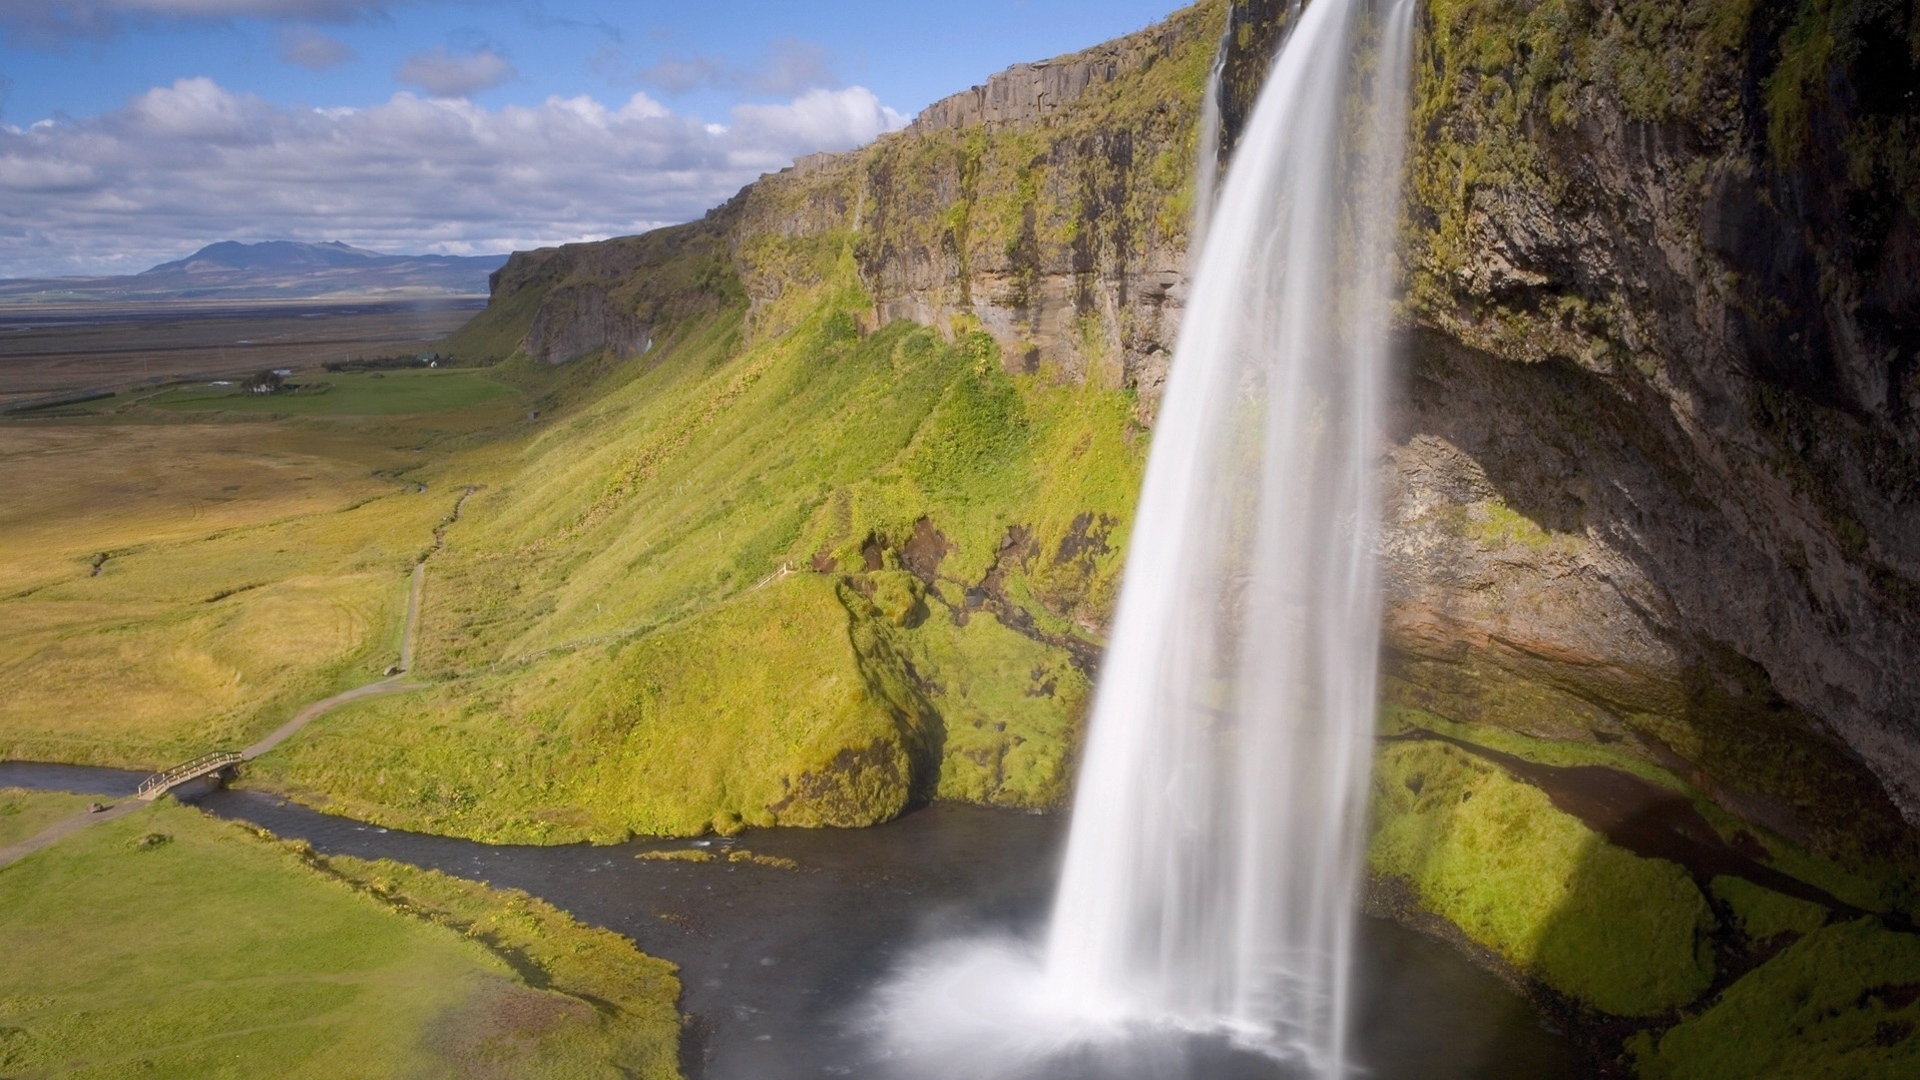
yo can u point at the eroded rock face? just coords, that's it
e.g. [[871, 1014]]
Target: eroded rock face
[[577, 319], [1675, 326], [561, 304], [1051, 205]]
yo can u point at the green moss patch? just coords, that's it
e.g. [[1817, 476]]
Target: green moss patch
[[1763, 914], [1843, 1002], [1620, 933]]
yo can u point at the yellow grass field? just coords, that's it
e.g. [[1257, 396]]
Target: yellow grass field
[[169, 587]]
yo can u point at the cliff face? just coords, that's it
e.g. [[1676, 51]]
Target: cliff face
[[1656, 462], [561, 304], [1664, 277], [1051, 205]]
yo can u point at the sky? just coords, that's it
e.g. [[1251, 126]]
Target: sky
[[133, 132]]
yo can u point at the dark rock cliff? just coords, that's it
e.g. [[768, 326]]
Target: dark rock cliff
[[1664, 286], [1656, 466]]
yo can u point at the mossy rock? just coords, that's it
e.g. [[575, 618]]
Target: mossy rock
[[1764, 915], [1842, 1003], [1619, 933]]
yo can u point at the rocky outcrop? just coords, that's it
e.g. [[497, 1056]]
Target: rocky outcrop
[[1028, 93], [614, 296], [1050, 206], [577, 319]]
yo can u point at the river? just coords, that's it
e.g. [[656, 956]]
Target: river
[[778, 965]]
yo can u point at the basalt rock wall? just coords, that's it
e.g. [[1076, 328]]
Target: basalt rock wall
[[1050, 206], [1657, 457]]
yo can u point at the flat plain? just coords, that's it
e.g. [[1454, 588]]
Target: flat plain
[[52, 351], [183, 567]]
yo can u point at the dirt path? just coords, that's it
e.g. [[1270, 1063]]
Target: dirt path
[[315, 711], [413, 613]]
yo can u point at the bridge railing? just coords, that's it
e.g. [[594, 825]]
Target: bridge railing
[[160, 782]]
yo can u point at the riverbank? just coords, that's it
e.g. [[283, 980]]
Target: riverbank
[[172, 943]]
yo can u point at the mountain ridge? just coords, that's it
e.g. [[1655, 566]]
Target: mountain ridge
[[270, 270], [273, 254]]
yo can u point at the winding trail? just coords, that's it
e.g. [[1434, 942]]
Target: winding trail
[[320, 708], [393, 684]]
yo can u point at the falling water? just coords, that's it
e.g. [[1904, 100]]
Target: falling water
[[1210, 872], [1206, 172]]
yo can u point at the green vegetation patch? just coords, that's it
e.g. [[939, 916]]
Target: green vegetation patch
[[1843, 1002], [25, 814], [1763, 914], [805, 581], [373, 393], [801, 702], [1623, 934], [620, 1001], [216, 952]]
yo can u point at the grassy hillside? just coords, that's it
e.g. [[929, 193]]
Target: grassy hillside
[[774, 552], [806, 581]]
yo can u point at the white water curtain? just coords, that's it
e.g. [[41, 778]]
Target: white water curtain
[[1210, 875]]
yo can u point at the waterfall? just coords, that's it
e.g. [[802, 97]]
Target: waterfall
[[1206, 169], [1208, 886], [1210, 873]]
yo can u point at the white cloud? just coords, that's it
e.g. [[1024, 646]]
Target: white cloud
[[312, 49], [679, 74], [449, 75], [790, 66], [55, 19], [186, 164], [793, 65]]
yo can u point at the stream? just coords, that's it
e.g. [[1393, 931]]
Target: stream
[[778, 965]]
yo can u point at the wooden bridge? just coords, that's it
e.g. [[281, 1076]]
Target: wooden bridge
[[205, 765]]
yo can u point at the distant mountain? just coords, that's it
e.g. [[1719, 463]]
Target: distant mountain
[[272, 255], [270, 270]]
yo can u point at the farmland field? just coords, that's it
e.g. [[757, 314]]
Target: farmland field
[[376, 393], [56, 351]]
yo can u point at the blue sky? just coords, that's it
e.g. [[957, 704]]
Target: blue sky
[[134, 130]]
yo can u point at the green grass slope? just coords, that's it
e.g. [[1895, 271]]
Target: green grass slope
[[806, 580]]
